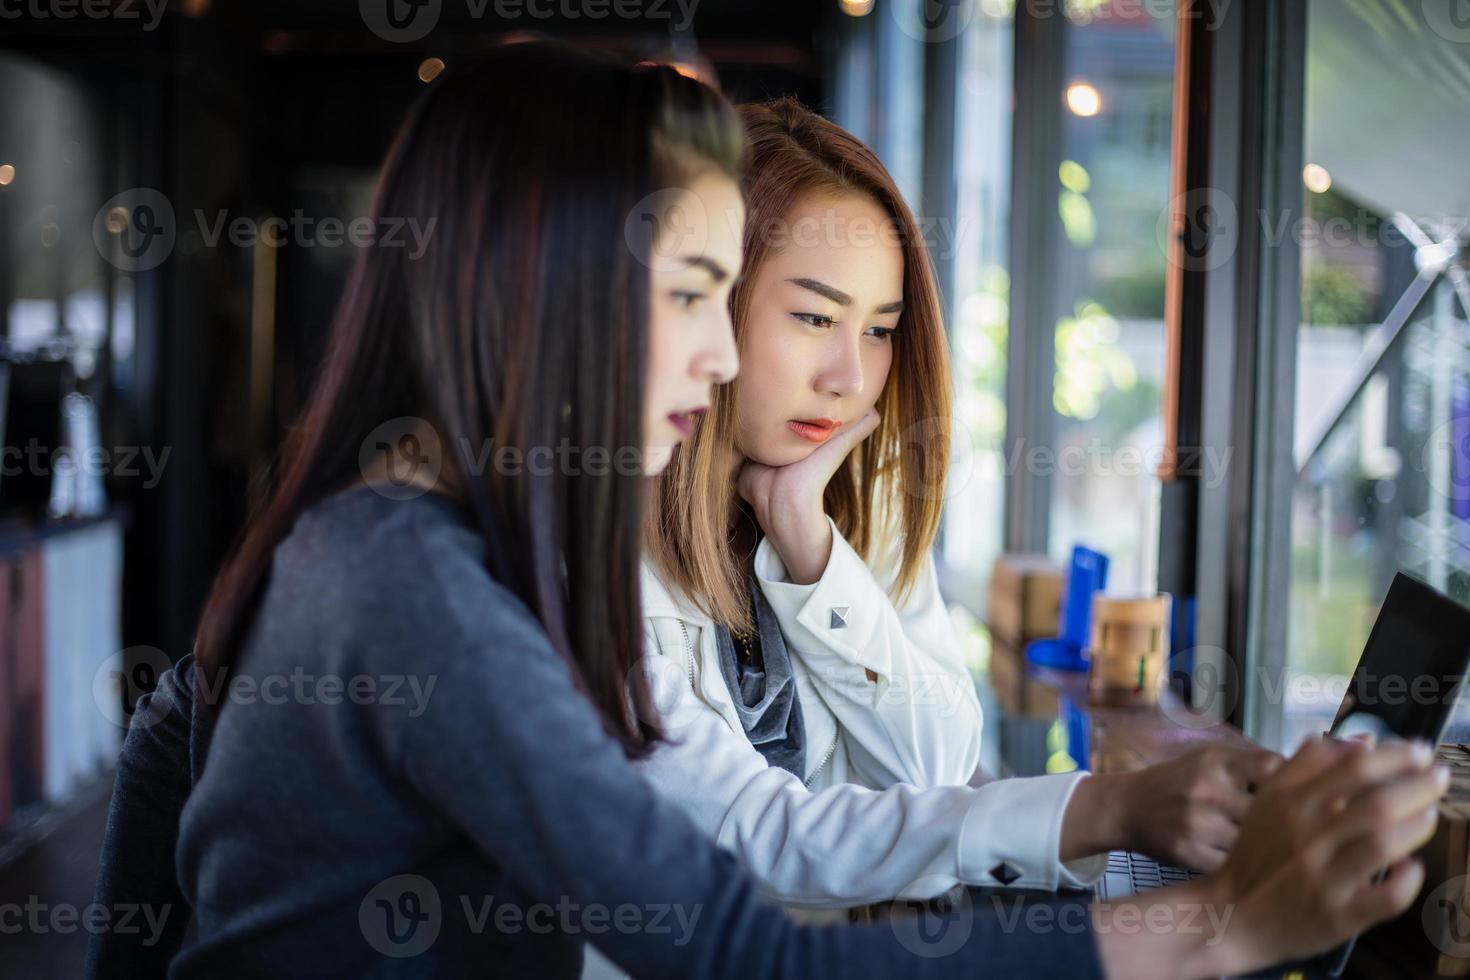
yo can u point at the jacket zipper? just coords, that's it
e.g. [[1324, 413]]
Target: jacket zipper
[[689, 651], [831, 749]]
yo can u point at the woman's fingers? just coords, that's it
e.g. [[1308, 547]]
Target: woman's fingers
[[1315, 757], [847, 438], [1236, 805], [1367, 852], [1393, 802], [810, 475], [1375, 901], [1252, 767], [1366, 768]]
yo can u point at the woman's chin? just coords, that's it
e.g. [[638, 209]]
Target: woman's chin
[[656, 457], [780, 455]]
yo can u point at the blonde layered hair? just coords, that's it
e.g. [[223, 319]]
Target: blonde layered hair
[[886, 497]]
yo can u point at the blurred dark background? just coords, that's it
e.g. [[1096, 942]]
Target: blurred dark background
[[253, 108]]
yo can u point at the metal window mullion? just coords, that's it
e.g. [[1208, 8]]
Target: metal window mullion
[[1035, 232]]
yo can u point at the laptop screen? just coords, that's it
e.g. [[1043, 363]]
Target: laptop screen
[[1410, 672]]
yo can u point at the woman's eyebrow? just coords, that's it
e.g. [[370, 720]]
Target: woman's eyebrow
[[839, 297], [822, 289], [717, 272]]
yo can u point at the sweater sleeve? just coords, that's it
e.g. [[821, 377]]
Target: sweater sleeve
[[137, 866], [509, 751]]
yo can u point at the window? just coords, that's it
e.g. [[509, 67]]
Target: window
[[1382, 421], [1111, 186], [976, 234]]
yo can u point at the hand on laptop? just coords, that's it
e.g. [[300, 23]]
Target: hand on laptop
[[1332, 817], [1186, 811], [1301, 877]]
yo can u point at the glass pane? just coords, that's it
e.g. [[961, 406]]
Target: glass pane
[[1111, 188], [1381, 414], [973, 517]]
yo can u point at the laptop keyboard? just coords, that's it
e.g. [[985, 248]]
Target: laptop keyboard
[[1129, 873]]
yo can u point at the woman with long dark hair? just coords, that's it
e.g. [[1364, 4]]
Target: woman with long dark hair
[[557, 337]]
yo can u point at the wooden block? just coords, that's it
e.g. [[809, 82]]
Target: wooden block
[[1007, 676], [1024, 599], [1128, 648]]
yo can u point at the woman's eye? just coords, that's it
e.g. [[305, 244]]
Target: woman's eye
[[882, 333], [686, 300], [814, 319]]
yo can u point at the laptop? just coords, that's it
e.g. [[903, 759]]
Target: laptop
[[1405, 686]]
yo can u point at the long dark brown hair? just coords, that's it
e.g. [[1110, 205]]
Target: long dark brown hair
[[522, 324]]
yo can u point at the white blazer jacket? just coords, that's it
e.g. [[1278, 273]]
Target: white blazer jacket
[[884, 811]]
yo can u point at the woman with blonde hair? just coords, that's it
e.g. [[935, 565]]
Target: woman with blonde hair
[[823, 723]]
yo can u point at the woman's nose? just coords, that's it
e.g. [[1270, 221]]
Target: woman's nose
[[842, 375], [720, 360]]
